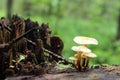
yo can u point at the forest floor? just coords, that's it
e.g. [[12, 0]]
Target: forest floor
[[102, 72]]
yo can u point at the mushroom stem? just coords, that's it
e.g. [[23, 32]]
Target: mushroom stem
[[83, 63], [85, 45], [79, 61], [87, 63], [84, 60], [79, 64]]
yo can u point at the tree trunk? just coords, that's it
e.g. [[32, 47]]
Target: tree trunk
[[59, 10], [27, 7], [118, 30], [50, 10], [9, 8]]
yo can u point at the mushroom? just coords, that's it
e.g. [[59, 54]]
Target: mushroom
[[88, 55], [81, 48], [73, 58], [85, 40], [85, 55], [78, 56]]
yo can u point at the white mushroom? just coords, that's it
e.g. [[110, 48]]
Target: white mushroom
[[83, 53], [80, 48], [78, 57], [73, 58], [85, 40], [89, 54]]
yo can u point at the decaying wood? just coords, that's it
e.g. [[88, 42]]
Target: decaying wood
[[25, 37], [97, 73]]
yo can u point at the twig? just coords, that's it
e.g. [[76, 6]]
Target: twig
[[51, 53]]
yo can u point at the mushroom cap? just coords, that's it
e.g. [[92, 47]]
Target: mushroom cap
[[75, 55], [89, 54], [73, 58], [85, 40], [81, 48]]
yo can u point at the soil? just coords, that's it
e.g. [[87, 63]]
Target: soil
[[100, 72]]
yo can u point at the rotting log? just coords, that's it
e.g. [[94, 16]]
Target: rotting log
[[39, 41], [2, 46]]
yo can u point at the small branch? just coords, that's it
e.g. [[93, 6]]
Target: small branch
[[57, 56]]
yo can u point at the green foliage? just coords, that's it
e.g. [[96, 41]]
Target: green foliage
[[70, 18]]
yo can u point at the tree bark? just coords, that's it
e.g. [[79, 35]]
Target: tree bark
[[9, 8]]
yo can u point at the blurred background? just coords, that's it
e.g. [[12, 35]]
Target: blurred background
[[99, 19]]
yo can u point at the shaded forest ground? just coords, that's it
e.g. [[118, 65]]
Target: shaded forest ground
[[102, 72]]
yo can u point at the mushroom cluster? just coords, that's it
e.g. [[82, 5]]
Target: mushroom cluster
[[82, 58]]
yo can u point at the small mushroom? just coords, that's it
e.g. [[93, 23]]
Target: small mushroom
[[78, 56], [83, 52], [85, 40], [73, 58], [80, 48], [88, 55]]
